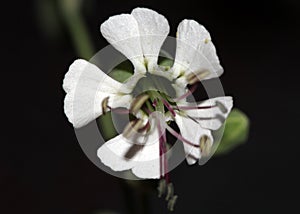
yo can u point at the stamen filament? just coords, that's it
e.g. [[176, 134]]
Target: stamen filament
[[194, 107], [165, 158], [180, 137], [163, 152], [169, 107], [188, 93], [138, 102], [160, 151], [149, 106]]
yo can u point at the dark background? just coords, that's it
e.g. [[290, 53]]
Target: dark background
[[43, 169]]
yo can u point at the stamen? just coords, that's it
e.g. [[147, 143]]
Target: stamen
[[166, 173], [169, 107], [170, 192], [205, 145], [145, 128], [193, 119], [171, 202], [138, 102], [194, 107], [161, 150], [188, 93], [104, 105], [145, 109], [132, 127], [161, 187], [197, 76], [218, 104], [222, 107], [180, 137]]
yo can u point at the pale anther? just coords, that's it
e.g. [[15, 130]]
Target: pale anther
[[196, 76], [171, 202], [138, 102], [170, 192], [205, 145], [221, 107], [132, 128], [105, 105], [161, 187]]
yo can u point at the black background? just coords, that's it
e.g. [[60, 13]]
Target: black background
[[43, 169]]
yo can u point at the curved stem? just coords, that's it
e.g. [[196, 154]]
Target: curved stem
[[70, 11]]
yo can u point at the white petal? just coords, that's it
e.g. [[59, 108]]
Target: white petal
[[186, 45], [86, 86], [113, 152], [89, 76], [191, 131], [145, 162], [154, 29], [195, 51], [211, 118], [147, 170], [85, 105], [122, 32]]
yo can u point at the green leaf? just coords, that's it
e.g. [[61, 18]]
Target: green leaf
[[235, 133]]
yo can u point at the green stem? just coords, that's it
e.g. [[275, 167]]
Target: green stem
[[149, 106], [70, 11]]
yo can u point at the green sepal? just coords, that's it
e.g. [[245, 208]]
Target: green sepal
[[122, 72], [235, 133]]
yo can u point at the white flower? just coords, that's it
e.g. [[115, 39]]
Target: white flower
[[142, 145]]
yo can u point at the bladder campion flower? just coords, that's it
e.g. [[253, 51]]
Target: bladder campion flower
[[143, 145]]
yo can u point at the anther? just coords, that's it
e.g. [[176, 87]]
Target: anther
[[104, 105], [197, 76], [170, 192], [138, 102], [221, 107], [171, 202], [161, 187], [145, 127], [205, 145], [132, 127]]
